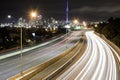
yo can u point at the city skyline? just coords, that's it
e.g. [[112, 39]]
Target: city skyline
[[89, 10]]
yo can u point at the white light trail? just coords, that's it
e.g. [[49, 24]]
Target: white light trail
[[97, 62]]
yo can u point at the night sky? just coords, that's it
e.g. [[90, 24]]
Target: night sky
[[88, 10]]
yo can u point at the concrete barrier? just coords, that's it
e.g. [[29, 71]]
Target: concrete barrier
[[70, 59]]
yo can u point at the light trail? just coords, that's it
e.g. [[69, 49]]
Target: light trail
[[11, 66], [97, 62]]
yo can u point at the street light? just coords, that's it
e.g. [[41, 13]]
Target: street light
[[76, 21], [9, 16], [96, 25], [85, 25], [33, 14]]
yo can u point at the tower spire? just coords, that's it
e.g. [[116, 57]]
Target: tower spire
[[67, 10]]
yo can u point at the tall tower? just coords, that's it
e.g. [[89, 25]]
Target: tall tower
[[67, 10]]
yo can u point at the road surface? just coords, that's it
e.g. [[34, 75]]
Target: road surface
[[11, 66], [99, 62]]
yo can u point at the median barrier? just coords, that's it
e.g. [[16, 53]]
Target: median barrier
[[69, 59]]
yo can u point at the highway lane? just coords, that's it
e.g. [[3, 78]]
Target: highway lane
[[11, 66], [99, 62]]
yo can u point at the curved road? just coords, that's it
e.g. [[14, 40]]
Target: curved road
[[11, 66], [99, 62]]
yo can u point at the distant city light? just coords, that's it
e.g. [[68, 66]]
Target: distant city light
[[96, 25], [33, 34], [67, 26], [78, 27], [9, 16], [84, 24], [75, 21]]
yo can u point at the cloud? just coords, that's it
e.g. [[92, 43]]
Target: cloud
[[108, 9]]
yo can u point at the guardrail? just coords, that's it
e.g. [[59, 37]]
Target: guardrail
[[35, 70]]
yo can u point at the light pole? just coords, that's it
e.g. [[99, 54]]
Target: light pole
[[67, 31], [21, 45], [66, 36]]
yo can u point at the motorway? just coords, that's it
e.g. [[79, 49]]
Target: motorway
[[99, 62], [11, 66]]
